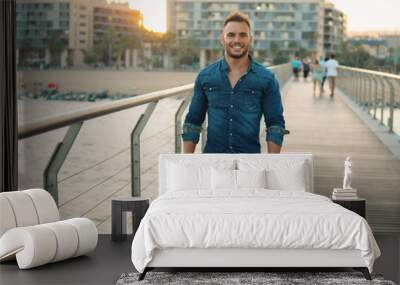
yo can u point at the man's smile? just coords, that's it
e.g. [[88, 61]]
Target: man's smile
[[237, 47]]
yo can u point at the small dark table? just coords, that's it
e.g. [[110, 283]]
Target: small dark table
[[138, 206], [356, 205]]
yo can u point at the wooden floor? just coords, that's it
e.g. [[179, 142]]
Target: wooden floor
[[330, 130], [98, 165]]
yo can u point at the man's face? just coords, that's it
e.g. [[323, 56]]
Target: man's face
[[236, 39]]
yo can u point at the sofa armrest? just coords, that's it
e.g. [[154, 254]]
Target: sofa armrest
[[40, 244]]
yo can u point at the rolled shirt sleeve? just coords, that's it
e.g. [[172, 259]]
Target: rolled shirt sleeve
[[273, 113], [197, 112]]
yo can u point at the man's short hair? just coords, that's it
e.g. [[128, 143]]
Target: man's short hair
[[332, 55], [237, 17]]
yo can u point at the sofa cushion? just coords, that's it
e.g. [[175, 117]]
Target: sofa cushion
[[27, 208], [40, 244], [7, 215]]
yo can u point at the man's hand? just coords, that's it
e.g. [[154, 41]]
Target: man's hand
[[189, 147], [273, 148]]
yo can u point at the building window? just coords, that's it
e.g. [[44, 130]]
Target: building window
[[308, 16]]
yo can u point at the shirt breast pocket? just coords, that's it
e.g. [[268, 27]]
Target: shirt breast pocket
[[250, 100], [215, 97]]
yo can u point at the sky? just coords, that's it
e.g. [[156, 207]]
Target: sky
[[362, 15], [369, 15]]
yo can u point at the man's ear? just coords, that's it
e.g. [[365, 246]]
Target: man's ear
[[221, 38]]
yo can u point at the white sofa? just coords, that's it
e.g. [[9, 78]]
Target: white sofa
[[31, 231]]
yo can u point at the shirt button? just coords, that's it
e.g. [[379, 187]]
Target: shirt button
[[230, 147], [230, 120], [233, 92], [231, 106], [230, 134]]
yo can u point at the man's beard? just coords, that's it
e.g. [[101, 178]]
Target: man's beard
[[236, 56]]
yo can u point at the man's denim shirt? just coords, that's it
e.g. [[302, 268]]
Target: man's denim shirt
[[234, 114]]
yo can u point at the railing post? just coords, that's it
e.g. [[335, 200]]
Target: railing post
[[366, 91], [369, 93], [391, 106], [135, 148], [362, 90], [349, 87], [359, 90], [354, 86], [178, 124], [383, 103], [57, 160], [374, 77]]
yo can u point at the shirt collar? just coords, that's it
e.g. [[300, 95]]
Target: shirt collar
[[225, 66]]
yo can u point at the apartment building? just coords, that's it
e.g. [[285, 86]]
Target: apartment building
[[335, 24], [286, 25], [75, 25]]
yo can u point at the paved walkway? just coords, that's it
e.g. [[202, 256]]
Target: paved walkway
[[326, 127]]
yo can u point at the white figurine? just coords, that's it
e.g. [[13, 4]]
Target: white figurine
[[347, 174]]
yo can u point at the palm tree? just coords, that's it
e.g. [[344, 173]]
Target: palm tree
[[26, 51], [127, 42], [274, 49], [56, 42], [293, 47]]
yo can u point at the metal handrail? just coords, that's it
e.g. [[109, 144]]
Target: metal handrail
[[360, 84], [59, 121], [371, 72], [75, 120]]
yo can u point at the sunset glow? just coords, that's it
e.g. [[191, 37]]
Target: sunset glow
[[362, 15], [154, 13], [370, 15]]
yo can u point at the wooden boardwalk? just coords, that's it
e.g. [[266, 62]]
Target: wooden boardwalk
[[98, 166], [330, 130]]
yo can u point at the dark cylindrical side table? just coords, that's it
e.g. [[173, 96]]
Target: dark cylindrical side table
[[119, 206]]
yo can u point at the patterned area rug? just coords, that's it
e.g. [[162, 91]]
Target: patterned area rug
[[243, 278]]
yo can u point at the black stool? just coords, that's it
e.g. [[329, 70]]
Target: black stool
[[138, 206]]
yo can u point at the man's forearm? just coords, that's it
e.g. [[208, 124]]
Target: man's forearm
[[273, 148], [189, 147]]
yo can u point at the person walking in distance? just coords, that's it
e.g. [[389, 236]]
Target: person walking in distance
[[235, 92], [296, 67], [306, 68], [331, 73], [317, 74], [322, 63]]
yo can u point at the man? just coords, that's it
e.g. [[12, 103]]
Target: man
[[331, 73], [235, 92]]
